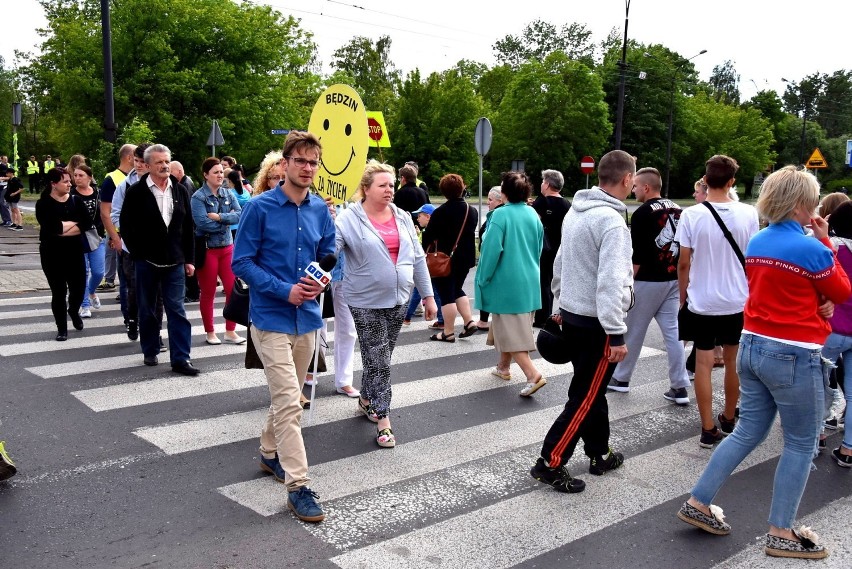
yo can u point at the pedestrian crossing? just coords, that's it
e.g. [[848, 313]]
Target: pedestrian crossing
[[456, 488]]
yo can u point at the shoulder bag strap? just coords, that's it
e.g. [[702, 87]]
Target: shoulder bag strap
[[466, 211], [727, 233]]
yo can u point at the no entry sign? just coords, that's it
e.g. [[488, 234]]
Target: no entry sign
[[587, 165]]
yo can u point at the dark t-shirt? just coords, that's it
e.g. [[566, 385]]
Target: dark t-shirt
[[652, 230], [91, 202], [551, 210], [13, 185]]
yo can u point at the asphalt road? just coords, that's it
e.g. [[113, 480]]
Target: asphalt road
[[123, 465]]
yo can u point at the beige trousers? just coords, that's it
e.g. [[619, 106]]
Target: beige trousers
[[285, 361]]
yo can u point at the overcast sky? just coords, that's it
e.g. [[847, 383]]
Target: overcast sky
[[766, 40]]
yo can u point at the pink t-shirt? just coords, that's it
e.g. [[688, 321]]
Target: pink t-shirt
[[390, 235]]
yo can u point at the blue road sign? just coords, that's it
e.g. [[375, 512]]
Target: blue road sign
[[280, 131]]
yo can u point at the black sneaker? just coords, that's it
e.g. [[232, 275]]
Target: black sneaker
[[831, 424], [162, 345], [823, 444], [842, 460], [106, 285], [76, 320], [710, 438], [132, 330], [17, 228], [679, 395], [620, 386], [599, 465], [556, 477], [726, 425]]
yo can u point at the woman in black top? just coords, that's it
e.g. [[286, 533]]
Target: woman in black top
[[445, 226], [62, 220]]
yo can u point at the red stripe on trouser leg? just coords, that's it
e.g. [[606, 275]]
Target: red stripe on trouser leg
[[583, 410]]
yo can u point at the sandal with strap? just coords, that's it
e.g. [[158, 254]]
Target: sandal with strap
[[367, 409], [385, 438], [469, 329], [441, 337]]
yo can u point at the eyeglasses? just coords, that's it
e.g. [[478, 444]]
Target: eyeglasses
[[301, 162], [274, 178]]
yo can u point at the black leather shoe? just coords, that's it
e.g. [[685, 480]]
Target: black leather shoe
[[185, 368], [76, 320], [151, 360], [132, 330], [61, 336]]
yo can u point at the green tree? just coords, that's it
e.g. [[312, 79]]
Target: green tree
[[176, 68], [717, 128], [553, 113], [539, 39], [373, 73], [834, 104], [657, 86], [434, 125], [493, 84], [725, 83]]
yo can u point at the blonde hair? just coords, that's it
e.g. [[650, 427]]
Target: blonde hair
[[270, 161], [831, 202], [785, 190], [372, 168]]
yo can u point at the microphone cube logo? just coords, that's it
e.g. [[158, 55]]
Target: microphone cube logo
[[318, 275]]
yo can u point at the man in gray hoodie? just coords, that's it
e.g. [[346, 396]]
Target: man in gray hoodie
[[596, 272]]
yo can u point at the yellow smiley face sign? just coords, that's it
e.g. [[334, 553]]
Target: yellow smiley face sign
[[339, 121]]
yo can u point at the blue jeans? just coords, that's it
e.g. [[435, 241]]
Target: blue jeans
[[95, 270], [171, 281], [774, 377], [415, 300], [836, 345]]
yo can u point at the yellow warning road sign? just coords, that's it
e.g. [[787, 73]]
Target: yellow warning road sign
[[816, 161]]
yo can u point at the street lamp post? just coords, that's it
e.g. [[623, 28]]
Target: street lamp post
[[671, 118], [619, 113]]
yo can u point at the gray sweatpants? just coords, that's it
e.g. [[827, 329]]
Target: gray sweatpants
[[657, 300]]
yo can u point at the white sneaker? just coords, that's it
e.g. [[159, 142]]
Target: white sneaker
[[311, 382], [96, 302], [85, 313]]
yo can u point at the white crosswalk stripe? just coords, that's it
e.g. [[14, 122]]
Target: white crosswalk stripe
[[456, 496]]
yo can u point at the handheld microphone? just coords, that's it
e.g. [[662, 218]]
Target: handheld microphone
[[321, 272]]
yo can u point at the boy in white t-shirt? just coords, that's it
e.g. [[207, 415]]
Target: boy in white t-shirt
[[713, 289]]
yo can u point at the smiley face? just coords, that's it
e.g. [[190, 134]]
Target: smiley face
[[347, 132], [339, 121]]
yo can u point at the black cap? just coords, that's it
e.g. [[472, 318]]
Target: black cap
[[551, 344]]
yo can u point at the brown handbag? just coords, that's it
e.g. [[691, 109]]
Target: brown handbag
[[438, 262]]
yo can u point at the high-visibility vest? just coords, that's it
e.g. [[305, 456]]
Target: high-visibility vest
[[48, 164], [117, 177], [32, 167]]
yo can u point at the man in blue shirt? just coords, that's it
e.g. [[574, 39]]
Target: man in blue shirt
[[281, 232]]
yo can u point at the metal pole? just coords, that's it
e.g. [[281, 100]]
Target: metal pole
[[669, 141], [804, 123], [109, 101], [478, 234], [619, 114]]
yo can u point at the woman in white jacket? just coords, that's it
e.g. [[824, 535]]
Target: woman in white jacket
[[384, 260]]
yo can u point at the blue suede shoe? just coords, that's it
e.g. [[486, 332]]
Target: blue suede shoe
[[304, 505], [273, 467]]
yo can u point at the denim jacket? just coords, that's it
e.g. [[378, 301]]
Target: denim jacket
[[225, 204]]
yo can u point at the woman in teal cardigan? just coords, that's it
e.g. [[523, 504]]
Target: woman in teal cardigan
[[507, 279]]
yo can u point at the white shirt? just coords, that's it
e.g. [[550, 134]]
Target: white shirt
[[717, 282], [164, 199]]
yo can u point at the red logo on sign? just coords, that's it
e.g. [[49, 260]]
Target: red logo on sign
[[374, 129]]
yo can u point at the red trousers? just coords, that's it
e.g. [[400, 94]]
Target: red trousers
[[217, 264]]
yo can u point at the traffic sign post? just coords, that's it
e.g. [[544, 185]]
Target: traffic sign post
[[482, 141], [215, 138], [816, 161], [849, 153], [587, 166]]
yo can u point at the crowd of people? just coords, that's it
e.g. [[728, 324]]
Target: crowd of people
[[707, 274]]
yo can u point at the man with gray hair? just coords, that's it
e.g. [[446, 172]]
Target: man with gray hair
[[551, 208], [156, 224]]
